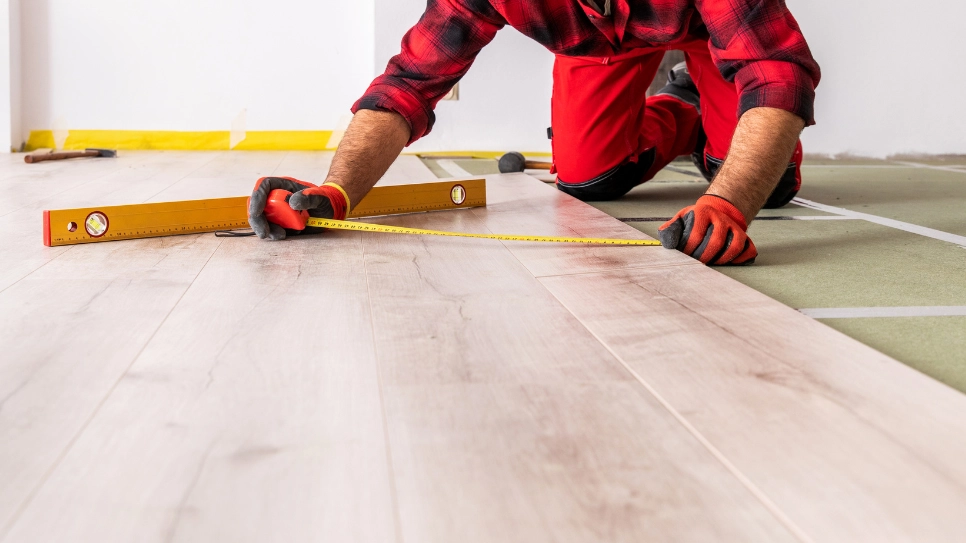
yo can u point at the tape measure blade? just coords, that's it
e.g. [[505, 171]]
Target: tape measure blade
[[369, 227]]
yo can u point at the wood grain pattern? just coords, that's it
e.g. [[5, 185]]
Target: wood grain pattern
[[253, 415], [235, 176], [63, 348], [224, 174], [852, 445], [516, 204], [509, 422], [407, 169], [60, 360], [254, 411], [370, 387], [31, 188]]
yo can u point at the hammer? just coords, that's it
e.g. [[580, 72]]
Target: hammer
[[514, 162], [41, 157]]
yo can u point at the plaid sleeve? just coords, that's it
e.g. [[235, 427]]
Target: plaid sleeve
[[436, 54], [759, 45]]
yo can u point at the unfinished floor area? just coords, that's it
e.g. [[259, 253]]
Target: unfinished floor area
[[372, 387]]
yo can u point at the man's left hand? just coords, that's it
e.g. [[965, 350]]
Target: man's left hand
[[713, 231]]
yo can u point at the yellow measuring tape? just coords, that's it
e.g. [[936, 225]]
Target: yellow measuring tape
[[136, 221], [368, 227]]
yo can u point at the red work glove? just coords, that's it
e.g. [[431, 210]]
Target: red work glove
[[712, 231], [325, 202]]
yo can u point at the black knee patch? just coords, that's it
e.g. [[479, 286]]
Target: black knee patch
[[611, 184], [780, 197]]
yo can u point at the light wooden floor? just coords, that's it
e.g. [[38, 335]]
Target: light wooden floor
[[364, 387]]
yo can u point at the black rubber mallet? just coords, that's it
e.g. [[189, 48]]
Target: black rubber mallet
[[514, 162], [64, 155]]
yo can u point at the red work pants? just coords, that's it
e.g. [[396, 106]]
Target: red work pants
[[608, 137]]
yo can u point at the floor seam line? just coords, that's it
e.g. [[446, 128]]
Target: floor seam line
[[743, 479], [21, 208], [182, 178], [278, 165], [393, 494], [73, 441], [762, 498], [612, 270], [35, 270]]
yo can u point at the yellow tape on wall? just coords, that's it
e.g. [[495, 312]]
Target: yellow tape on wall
[[270, 140], [132, 140]]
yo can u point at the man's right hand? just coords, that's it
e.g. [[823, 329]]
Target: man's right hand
[[370, 145], [327, 201]]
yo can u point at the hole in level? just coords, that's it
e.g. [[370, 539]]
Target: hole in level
[[72, 227]]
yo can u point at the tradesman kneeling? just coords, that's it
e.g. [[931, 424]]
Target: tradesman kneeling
[[737, 106]]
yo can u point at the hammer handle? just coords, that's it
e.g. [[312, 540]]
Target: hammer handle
[[32, 159], [535, 165]]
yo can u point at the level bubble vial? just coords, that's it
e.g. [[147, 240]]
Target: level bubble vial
[[96, 224]]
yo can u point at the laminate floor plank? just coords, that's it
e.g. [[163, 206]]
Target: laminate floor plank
[[28, 185], [253, 414], [851, 444], [225, 174], [150, 175], [68, 332], [223, 178], [61, 311], [520, 204], [858, 440], [406, 170], [311, 166], [373, 387], [508, 421], [247, 164], [132, 178]]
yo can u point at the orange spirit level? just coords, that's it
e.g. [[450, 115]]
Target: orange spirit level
[[113, 223]]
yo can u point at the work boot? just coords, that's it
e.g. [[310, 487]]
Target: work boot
[[681, 86]]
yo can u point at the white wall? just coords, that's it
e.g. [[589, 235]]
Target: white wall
[[16, 76], [892, 71], [194, 64], [504, 99], [893, 75], [9, 87]]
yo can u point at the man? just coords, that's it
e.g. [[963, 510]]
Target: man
[[737, 106]]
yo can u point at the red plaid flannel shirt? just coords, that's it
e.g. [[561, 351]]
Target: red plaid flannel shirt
[[757, 44]]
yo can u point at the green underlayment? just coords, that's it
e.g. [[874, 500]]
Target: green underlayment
[[848, 263]]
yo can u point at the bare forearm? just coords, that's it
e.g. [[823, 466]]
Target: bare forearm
[[372, 142], [760, 150]]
